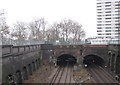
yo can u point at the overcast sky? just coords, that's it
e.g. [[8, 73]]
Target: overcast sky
[[82, 11]]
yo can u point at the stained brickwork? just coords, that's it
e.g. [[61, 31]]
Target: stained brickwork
[[18, 62]]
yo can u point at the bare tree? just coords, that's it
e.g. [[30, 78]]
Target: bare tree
[[77, 31], [53, 32], [37, 29], [62, 30], [69, 28], [56, 31], [33, 31], [19, 31], [50, 35], [66, 26], [4, 28], [43, 24]]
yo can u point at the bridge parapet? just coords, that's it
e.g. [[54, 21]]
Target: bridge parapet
[[6, 49], [9, 49], [99, 50], [67, 47], [15, 58], [114, 47], [81, 50]]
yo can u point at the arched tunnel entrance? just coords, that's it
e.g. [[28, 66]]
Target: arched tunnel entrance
[[93, 60], [66, 59]]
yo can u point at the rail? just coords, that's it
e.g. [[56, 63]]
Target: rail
[[62, 75]]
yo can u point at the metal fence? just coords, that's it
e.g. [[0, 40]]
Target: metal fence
[[8, 41]]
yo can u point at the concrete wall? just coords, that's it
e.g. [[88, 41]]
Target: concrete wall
[[18, 62], [113, 62]]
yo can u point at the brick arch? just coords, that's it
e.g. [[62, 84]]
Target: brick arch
[[95, 57], [72, 54], [74, 50], [109, 53], [91, 55], [94, 53], [67, 54]]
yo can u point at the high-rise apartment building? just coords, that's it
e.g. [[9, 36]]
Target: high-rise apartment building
[[108, 19]]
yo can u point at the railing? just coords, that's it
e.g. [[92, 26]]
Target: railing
[[69, 43], [9, 49], [19, 42], [8, 41]]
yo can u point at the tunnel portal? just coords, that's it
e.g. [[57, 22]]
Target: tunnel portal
[[66, 59], [93, 60]]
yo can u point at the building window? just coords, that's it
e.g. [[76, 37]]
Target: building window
[[117, 27], [108, 15], [117, 5], [117, 8], [99, 15], [116, 30], [107, 18], [107, 24], [99, 21], [99, 34], [99, 6], [108, 31], [108, 37], [99, 12], [99, 30], [117, 14], [107, 5], [107, 21], [117, 24], [116, 20], [108, 12], [108, 28], [99, 18], [98, 3], [99, 9], [107, 2], [107, 8], [99, 24], [117, 17], [117, 11], [117, 1]]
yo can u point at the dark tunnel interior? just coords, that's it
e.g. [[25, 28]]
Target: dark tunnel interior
[[66, 59], [93, 60]]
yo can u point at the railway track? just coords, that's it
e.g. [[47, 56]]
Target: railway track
[[62, 75], [100, 75]]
